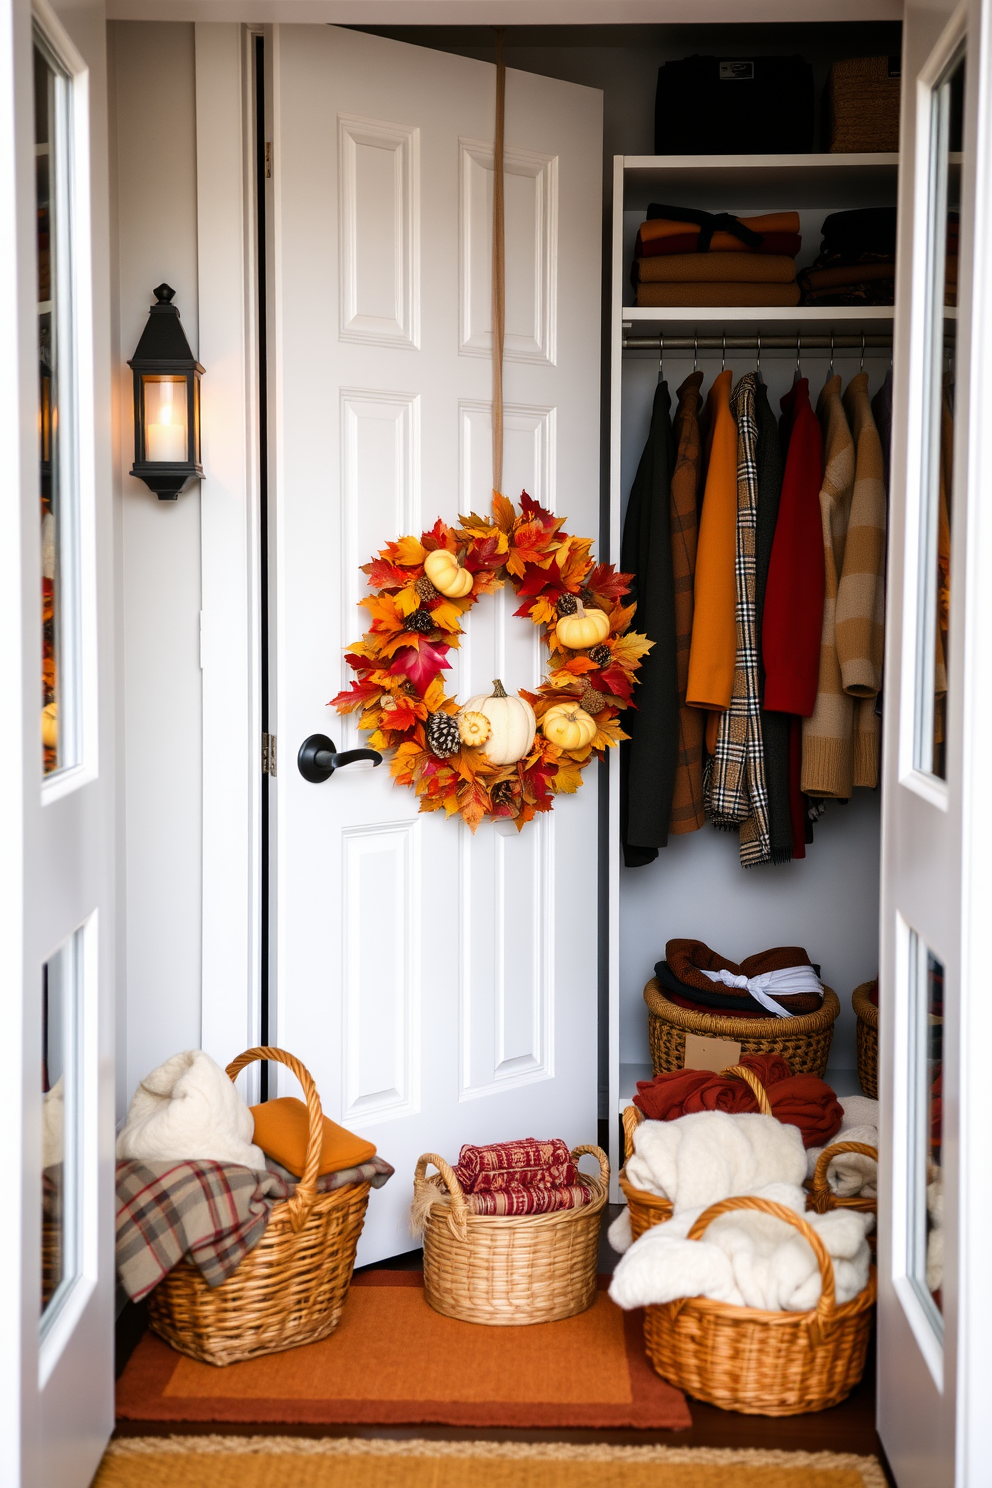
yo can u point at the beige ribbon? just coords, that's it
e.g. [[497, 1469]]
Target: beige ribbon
[[499, 267]]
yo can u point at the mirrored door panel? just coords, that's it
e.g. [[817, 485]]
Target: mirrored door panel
[[61, 1093]]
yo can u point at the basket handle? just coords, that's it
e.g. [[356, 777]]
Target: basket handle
[[599, 1155], [632, 1118], [458, 1209], [820, 1194], [301, 1203], [819, 1320], [751, 1079]]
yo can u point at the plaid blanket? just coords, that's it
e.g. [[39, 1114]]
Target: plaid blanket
[[211, 1213], [735, 786]]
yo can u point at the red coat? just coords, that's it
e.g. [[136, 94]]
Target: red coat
[[793, 615]]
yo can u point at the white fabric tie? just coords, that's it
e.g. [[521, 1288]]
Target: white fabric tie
[[786, 979]]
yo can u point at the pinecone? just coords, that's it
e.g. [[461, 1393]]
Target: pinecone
[[588, 598], [592, 700], [421, 621], [425, 589], [501, 793], [442, 735], [567, 604], [600, 655]]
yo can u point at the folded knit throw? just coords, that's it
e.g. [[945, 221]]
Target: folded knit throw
[[690, 960], [529, 1163], [709, 1155], [804, 1101]]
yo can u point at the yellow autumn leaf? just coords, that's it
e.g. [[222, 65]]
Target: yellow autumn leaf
[[446, 616], [410, 551], [504, 512], [629, 648], [569, 777]]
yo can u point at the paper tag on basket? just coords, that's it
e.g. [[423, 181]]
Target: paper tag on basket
[[710, 1053]]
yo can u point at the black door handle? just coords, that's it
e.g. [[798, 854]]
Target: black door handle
[[318, 758]]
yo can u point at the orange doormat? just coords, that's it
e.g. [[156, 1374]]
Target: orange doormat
[[393, 1360]]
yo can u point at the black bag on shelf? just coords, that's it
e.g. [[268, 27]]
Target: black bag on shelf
[[734, 106]]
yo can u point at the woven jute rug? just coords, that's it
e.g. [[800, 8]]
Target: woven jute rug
[[394, 1361], [261, 1461]]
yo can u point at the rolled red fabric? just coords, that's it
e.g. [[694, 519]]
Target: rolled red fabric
[[532, 1163], [803, 1101], [520, 1198]]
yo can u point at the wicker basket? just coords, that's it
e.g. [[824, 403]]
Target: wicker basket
[[291, 1288], [803, 1041], [508, 1270], [867, 1016], [648, 1209], [763, 1363], [862, 106]]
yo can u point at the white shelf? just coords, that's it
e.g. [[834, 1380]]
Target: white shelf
[[818, 317], [762, 182]]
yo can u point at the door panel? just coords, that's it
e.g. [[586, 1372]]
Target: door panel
[[440, 986]]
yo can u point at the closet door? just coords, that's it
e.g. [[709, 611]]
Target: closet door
[[440, 986], [935, 1299]]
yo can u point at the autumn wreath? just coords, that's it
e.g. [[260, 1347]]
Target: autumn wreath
[[497, 755]]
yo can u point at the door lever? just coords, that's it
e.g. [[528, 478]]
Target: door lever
[[318, 758]]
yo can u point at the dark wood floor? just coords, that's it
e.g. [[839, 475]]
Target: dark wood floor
[[848, 1427]]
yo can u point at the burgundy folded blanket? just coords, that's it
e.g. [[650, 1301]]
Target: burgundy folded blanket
[[504, 1165], [688, 959], [804, 1101], [771, 242]]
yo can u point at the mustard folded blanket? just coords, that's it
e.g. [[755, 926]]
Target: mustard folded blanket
[[667, 227], [734, 268], [717, 294]]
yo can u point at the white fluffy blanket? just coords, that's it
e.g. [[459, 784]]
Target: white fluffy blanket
[[708, 1156], [852, 1173], [188, 1109], [746, 1259]]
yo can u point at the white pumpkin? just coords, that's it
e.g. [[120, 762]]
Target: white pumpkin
[[512, 721]]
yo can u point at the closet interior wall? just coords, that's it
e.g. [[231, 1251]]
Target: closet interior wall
[[829, 901]]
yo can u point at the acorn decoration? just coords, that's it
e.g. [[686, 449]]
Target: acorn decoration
[[420, 621], [592, 700], [501, 794], [442, 735], [473, 728], [426, 592], [601, 655], [566, 604]]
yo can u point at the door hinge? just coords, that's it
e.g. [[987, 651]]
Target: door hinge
[[268, 754], [268, 160]]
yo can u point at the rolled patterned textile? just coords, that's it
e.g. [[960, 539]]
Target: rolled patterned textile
[[521, 1198], [503, 1165]]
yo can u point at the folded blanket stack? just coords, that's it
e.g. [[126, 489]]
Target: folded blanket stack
[[746, 1258], [526, 1177], [711, 1155], [857, 260], [689, 257], [802, 1101], [780, 982]]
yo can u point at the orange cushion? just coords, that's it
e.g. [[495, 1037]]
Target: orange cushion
[[281, 1130]]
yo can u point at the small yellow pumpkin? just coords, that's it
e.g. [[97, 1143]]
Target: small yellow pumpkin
[[569, 726], [583, 629], [446, 574], [512, 722], [50, 725], [474, 729]]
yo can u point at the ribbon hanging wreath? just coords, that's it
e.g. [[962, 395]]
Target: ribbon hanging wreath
[[498, 756]]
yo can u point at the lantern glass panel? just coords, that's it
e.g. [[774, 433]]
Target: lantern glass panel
[[196, 420], [166, 417]]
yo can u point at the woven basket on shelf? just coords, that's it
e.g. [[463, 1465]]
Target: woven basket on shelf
[[867, 1016], [508, 1270], [763, 1363], [291, 1288], [862, 106], [803, 1041], [648, 1209]]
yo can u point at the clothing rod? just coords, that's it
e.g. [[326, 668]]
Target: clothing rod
[[709, 344]]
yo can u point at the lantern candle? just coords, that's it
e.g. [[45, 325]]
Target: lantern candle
[[165, 415]]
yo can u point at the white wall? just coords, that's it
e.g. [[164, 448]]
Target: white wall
[[152, 84]]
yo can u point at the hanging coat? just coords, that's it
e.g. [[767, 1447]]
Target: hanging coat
[[774, 726], [861, 592], [648, 758], [713, 655], [687, 800]]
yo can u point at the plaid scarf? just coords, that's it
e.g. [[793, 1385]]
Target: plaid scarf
[[736, 791]]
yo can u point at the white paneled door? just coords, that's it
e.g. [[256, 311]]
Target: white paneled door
[[440, 986]]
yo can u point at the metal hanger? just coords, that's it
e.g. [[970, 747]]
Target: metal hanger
[[723, 357], [862, 351], [757, 359], [797, 375], [831, 371], [695, 350], [661, 357]]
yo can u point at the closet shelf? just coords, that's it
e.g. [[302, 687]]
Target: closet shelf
[[762, 182], [817, 318]]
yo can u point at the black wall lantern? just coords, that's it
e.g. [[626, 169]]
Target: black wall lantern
[[166, 403]]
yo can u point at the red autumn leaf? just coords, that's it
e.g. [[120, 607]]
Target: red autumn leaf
[[538, 581], [355, 696], [484, 555], [359, 663], [402, 717], [615, 680], [385, 575], [537, 513], [422, 665], [437, 537], [607, 584]]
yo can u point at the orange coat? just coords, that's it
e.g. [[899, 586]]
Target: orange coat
[[713, 656]]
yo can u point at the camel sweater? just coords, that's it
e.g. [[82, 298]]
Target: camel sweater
[[861, 591], [828, 753]]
